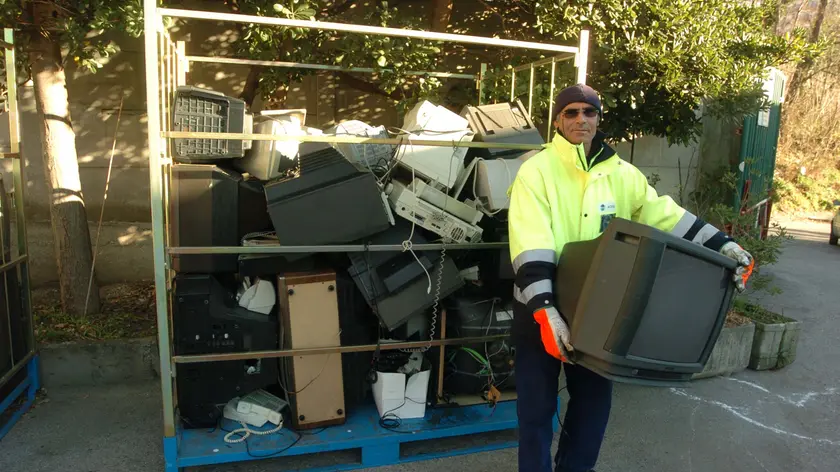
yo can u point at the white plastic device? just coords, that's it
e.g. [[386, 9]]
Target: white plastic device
[[256, 409], [493, 178], [258, 297], [443, 201], [368, 155], [409, 206], [268, 160], [439, 164]]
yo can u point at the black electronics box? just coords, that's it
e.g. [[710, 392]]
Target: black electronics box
[[332, 201], [395, 284], [206, 111], [207, 320], [213, 206], [471, 368]]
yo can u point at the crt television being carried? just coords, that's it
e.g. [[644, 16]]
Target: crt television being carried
[[643, 306]]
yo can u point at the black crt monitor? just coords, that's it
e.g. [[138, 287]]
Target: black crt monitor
[[643, 306]]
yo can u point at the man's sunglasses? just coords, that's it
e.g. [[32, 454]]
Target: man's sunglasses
[[588, 112]]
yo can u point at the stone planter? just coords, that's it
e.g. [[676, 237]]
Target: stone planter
[[774, 345], [790, 340], [731, 353]]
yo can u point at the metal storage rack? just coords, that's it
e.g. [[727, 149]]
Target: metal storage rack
[[166, 67], [20, 381]]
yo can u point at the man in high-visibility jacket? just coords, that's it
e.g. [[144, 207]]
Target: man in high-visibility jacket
[[569, 192]]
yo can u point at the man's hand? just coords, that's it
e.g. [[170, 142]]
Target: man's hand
[[745, 263], [554, 332]]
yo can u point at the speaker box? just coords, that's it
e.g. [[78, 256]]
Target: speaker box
[[309, 318]]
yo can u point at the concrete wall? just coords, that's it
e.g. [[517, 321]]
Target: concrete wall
[[678, 168], [674, 166]]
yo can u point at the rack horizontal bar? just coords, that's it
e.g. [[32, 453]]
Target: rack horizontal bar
[[351, 28], [238, 356], [348, 140], [303, 65], [12, 263], [8, 375], [10, 155], [330, 248], [542, 62], [7, 44]]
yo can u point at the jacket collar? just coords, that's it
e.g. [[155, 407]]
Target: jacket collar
[[599, 152]]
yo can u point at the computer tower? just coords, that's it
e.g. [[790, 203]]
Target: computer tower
[[395, 284], [472, 368], [643, 306], [309, 318], [212, 206], [332, 201], [358, 327], [207, 320]]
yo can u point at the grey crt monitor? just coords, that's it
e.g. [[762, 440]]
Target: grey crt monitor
[[643, 306]]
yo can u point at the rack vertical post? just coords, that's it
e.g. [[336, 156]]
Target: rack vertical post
[[21, 380]]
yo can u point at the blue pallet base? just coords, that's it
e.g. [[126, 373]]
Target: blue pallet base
[[29, 386], [361, 431]]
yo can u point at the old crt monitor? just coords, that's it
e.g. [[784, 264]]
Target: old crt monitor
[[643, 306]]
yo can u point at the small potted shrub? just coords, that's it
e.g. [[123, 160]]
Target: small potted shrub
[[731, 353], [775, 340]]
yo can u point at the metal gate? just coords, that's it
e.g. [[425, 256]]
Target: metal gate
[[18, 359], [757, 159]]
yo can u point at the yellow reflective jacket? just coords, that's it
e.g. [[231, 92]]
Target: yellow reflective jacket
[[560, 195]]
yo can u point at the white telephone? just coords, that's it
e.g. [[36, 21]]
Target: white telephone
[[256, 409]]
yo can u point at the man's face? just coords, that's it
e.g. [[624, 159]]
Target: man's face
[[578, 122]]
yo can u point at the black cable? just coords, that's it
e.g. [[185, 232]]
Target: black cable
[[390, 421], [557, 413]]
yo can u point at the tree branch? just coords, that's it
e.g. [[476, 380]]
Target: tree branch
[[441, 15], [368, 87]]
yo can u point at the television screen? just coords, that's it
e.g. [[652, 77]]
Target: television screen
[[643, 306], [675, 325]]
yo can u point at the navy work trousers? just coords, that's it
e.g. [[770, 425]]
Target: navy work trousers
[[587, 414]]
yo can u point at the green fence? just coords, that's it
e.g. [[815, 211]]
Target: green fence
[[758, 155]]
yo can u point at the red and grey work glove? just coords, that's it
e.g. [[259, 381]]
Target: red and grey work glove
[[554, 332], [745, 263]]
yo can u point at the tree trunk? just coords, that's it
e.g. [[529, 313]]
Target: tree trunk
[[252, 85], [61, 168], [441, 14], [799, 76]]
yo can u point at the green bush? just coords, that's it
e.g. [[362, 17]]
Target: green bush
[[711, 201]]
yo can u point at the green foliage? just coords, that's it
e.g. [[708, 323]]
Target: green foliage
[[390, 58], [808, 193], [712, 201], [759, 314], [657, 61], [80, 28]]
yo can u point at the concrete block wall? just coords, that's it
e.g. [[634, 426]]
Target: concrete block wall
[[676, 166]]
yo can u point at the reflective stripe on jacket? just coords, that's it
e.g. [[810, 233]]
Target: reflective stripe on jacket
[[560, 195]]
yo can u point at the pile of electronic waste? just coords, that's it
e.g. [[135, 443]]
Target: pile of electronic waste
[[292, 193]]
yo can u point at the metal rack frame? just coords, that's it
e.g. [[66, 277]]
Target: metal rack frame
[[30, 383], [166, 68]]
